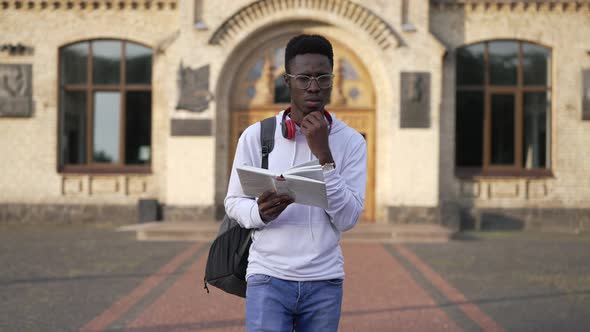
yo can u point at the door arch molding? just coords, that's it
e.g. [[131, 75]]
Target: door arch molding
[[364, 18]]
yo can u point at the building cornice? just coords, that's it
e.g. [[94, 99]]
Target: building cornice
[[25, 5], [380, 30], [499, 4]]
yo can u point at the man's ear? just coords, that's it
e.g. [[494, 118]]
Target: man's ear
[[286, 78]]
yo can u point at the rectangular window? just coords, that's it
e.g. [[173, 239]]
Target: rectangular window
[[74, 64], [536, 127], [502, 129], [503, 62], [107, 116], [535, 65], [106, 62], [503, 109], [469, 135], [138, 64], [471, 70], [138, 126], [74, 118], [105, 107], [198, 15]]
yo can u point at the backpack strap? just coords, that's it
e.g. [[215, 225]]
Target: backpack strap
[[267, 138]]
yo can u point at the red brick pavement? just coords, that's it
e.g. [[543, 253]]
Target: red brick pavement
[[379, 295]]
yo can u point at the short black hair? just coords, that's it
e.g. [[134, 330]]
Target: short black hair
[[308, 44]]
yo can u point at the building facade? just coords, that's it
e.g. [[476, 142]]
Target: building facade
[[476, 113]]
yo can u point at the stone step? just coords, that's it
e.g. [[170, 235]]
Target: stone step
[[363, 232], [394, 233]]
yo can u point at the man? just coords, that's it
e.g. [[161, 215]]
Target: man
[[295, 267]]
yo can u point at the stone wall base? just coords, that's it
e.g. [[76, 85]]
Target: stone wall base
[[68, 213], [447, 215], [413, 215], [87, 213], [456, 217], [536, 219], [188, 213]]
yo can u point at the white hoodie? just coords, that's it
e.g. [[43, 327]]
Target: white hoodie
[[302, 243]]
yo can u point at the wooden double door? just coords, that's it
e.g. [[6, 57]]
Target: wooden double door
[[361, 119]]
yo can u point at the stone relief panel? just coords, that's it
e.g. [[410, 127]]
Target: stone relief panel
[[536, 189], [517, 189], [103, 185], [503, 190], [73, 186], [16, 96], [136, 185], [415, 100], [194, 89]]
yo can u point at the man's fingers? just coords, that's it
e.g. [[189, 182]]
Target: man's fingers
[[275, 210], [275, 204], [312, 122], [278, 200], [266, 195], [315, 118]]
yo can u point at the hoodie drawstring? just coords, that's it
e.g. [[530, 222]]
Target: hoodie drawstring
[[309, 209], [293, 164]]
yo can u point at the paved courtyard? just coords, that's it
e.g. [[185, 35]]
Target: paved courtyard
[[92, 278]]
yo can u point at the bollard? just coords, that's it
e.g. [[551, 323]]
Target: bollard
[[147, 210]]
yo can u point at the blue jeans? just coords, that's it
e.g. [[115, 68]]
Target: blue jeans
[[273, 304]]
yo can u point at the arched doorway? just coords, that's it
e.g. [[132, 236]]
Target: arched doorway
[[259, 92]]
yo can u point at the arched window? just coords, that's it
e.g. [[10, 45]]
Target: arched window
[[503, 108], [105, 106]]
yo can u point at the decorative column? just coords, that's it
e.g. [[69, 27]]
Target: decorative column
[[265, 85], [337, 97]]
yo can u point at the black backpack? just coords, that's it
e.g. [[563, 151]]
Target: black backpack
[[228, 255]]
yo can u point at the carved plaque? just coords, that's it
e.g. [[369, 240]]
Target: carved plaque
[[586, 95], [16, 95], [503, 190], [191, 127], [136, 185], [104, 185], [536, 189], [194, 89], [72, 185], [415, 100]]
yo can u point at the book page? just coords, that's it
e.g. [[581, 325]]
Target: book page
[[304, 183], [253, 169], [310, 169], [254, 183], [307, 191], [312, 172]]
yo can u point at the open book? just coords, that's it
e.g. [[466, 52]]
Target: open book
[[304, 182]]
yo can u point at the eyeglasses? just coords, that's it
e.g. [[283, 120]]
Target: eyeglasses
[[304, 81]]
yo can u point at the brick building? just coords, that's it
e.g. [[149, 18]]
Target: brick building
[[476, 113]]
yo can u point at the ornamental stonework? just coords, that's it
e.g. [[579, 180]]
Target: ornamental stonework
[[16, 97]]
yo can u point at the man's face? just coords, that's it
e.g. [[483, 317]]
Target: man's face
[[313, 98]]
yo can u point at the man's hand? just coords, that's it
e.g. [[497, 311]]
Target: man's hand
[[271, 205], [315, 129]]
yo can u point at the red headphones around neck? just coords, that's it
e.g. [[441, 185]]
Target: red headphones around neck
[[288, 126]]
